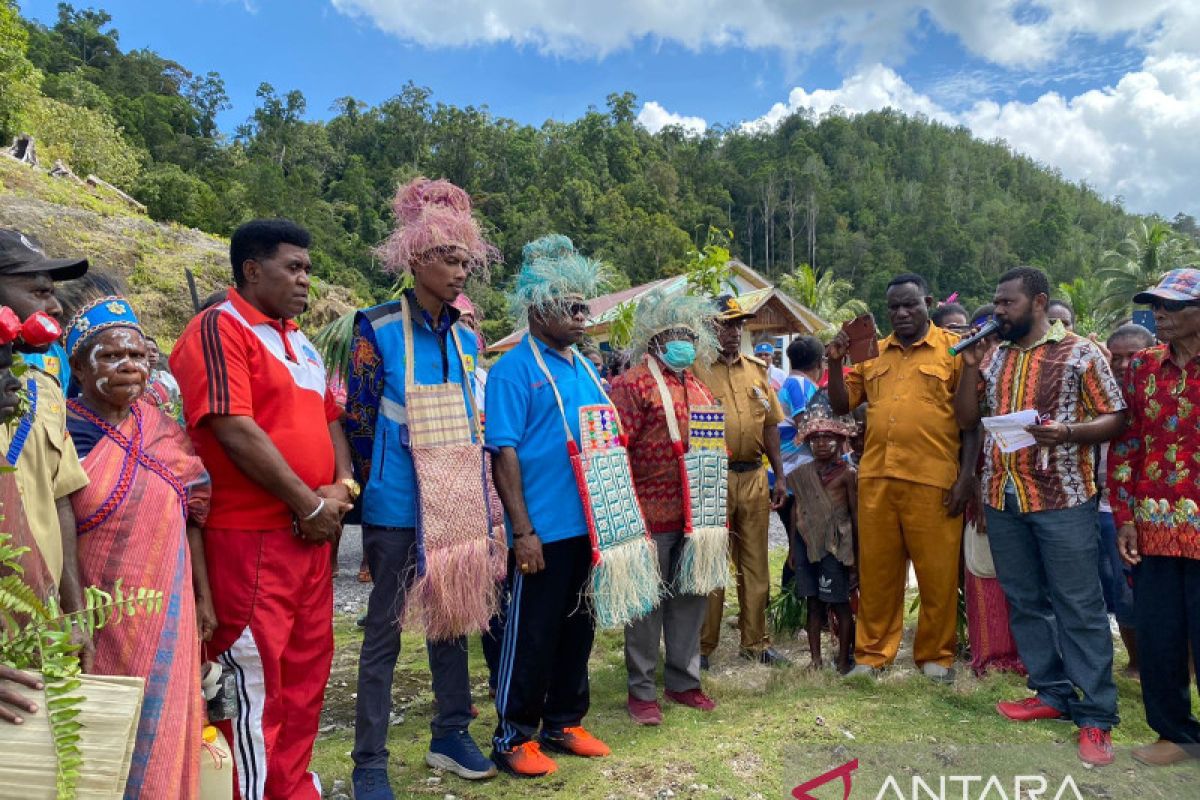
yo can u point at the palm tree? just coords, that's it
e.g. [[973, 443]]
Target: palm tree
[[1149, 250], [1085, 296], [828, 296]]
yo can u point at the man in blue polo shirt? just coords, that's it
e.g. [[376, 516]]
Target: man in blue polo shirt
[[532, 391], [437, 242]]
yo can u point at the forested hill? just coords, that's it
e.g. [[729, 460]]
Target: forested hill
[[863, 196]]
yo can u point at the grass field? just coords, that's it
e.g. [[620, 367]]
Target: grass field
[[772, 729]]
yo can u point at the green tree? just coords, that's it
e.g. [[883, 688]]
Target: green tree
[[1085, 295], [1150, 249], [89, 39], [172, 194], [88, 141], [830, 297], [19, 79], [710, 270]]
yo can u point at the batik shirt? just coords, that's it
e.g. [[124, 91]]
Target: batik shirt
[[1154, 466], [653, 461], [1065, 378]]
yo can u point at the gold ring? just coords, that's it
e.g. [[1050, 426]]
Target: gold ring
[[524, 567]]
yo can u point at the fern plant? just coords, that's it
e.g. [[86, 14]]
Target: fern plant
[[37, 635]]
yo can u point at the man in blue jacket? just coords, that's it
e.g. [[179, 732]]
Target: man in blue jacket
[[438, 242]]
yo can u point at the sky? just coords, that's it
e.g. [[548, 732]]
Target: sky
[[1105, 91]]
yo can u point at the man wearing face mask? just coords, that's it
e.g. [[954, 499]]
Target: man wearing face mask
[[752, 417], [669, 331]]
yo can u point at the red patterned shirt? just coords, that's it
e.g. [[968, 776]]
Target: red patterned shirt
[[651, 457], [1065, 378], [1154, 467]]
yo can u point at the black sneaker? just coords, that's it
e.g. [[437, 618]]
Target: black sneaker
[[704, 663], [769, 656]]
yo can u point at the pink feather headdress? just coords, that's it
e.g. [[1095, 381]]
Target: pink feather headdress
[[432, 215]]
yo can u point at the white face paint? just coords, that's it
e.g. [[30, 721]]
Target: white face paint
[[110, 358]]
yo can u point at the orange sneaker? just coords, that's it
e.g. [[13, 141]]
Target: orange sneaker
[[575, 741], [526, 760]]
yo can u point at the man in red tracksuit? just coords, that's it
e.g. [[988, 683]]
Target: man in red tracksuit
[[261, 417]]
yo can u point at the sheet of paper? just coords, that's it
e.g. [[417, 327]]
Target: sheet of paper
[[1008, 430]]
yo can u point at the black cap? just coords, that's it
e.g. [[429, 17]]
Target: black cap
[[21, 255], [729, 310]]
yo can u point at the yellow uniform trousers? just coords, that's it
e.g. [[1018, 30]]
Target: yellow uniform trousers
[[749, 513], [900, 520]]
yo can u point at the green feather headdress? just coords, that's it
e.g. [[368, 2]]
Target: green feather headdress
[[660, 311], [552, 269]]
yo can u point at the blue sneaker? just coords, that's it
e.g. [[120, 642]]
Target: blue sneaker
[[371, 784], [458, 753]]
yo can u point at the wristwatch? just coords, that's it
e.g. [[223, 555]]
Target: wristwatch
[[352, 487]]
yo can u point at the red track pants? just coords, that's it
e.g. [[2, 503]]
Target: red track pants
[[273, 595]]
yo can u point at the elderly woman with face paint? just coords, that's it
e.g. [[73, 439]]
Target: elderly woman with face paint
[[139, 522]]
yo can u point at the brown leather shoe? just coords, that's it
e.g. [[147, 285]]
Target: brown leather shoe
[[1160, 754]]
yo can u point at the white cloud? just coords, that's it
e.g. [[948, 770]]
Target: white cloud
[[1004, 32], [1136, 139], [874, 87], [653, 117]]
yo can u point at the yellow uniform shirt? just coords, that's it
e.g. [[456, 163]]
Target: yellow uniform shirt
[[48, 468], [912, 433], [744, 390]]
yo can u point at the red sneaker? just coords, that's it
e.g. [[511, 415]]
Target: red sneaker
[[577, 742], [1028, 710], [526, 760], [693, 698], [1095, 746], [644, 712]]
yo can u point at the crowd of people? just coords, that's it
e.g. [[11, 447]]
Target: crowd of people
[[568, 492]]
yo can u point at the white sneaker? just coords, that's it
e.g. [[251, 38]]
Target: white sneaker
[[859, 670], [936, 672]]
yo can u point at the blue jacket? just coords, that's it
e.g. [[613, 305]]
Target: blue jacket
[[376, 417]]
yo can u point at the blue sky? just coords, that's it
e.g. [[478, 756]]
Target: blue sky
[[1106, 92]]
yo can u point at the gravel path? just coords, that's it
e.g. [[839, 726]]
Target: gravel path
[[350, 596]]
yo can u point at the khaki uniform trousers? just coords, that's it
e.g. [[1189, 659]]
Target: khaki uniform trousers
[[900, 520], [749, 513]]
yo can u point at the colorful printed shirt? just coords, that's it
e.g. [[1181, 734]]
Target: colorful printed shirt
[[654, 463], [1066, 379], [1154, 466]]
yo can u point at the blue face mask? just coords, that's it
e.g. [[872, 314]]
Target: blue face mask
[[679, 354]]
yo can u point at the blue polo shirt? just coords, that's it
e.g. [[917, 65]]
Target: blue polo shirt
[[522, 414]]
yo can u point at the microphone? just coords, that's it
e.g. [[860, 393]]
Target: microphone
[[986, 330]]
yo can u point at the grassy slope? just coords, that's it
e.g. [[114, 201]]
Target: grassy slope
[[770, 727], [148, 256]]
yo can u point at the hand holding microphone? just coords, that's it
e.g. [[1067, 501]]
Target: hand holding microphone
[[968, 342]]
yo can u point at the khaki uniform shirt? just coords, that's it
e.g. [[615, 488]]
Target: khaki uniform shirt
[[912, 433], [745, 392], [47, 470]]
